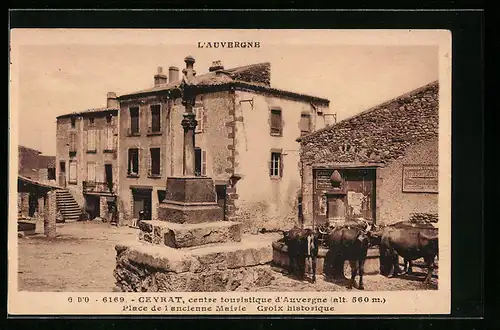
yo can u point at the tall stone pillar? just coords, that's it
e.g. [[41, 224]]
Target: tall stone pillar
[[50, 215], [189, 122]]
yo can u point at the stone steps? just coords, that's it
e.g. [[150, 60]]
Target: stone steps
[[67, 205]]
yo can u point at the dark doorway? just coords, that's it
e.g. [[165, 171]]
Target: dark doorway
[[221, 198], [108, 171], [62, 174], [142, 202], [93, 206], [32, 201]]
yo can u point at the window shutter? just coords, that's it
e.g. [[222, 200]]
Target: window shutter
[[203, 163], [161, 164], [281, 165], [115, 139], [270, 165], [72, 171], [129, 170], [150, 161], [139, 153], [202, 119]]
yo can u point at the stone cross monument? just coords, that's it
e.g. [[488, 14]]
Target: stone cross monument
[[190, 216]]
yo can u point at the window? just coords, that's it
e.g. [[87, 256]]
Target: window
[[133, 162], [110, 139], [305, 124], [155, 119], [134, 120], [91, 141], [109, 119], [72, 172], [51, 173], [73, 122], [91, 122], [72, 142], [91, 173], [276, 165], [200, 161], [154, 166], [200, 118], [276, 124]]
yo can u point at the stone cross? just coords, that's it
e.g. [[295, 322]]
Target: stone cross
[[189, 122]]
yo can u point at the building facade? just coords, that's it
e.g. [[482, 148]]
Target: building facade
[[381, 165], [245, 141], [87, 156], [35, 171]]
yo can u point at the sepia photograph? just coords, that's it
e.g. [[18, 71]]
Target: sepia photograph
[[294, 172]]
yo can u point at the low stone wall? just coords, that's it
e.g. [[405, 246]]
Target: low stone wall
[[232, 266], [280, 259]]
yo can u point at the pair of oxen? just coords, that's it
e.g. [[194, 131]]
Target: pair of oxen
[[351, 240]]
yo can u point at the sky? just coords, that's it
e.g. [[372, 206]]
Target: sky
[[65, 71]]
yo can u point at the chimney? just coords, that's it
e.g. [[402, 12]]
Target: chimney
[[173, 73], [160, 78], [112, 101], [189, 70], [216, 65]]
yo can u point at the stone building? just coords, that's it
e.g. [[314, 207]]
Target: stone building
[[35, 173], [87, 157], [245, 141], [381, 165]]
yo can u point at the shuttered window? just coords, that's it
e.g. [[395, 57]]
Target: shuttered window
[[110, 139], [155, 119], [133, 161], [154, 163], [134, 120], [72, 142], [91, 173], [276, 122], [305, 124], [72, 172], [200, 118], [91, 141]]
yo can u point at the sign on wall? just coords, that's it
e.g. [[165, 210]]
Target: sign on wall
[[420, 178], [323, 179]]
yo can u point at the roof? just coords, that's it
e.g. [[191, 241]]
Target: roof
[[31, 150], [88, 111], [25, 180], [254, 77], [47, 161], [365, 112], [380, 134]]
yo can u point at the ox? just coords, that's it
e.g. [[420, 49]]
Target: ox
[[350, 241], [411, 242], [302, 244]]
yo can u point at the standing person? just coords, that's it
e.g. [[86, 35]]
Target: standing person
[[114, 220]]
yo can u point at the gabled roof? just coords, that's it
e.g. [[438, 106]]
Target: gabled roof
[[88, 111], [26, 149], [254, 77]]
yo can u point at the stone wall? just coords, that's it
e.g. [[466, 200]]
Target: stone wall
[[380, 134], [142, 268]]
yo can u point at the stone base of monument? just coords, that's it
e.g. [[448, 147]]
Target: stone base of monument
[[280, 259], [230, 266]]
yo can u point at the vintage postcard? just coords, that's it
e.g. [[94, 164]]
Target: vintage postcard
[[229, 172]]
